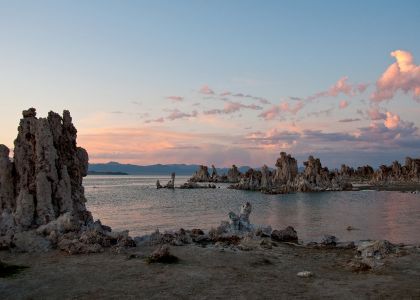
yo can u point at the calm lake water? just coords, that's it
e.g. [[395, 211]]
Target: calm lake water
[[134, 203]]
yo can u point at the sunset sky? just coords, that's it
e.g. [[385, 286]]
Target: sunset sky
[[218, 82]]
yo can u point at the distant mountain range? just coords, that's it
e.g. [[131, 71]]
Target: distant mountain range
[[179, 169]]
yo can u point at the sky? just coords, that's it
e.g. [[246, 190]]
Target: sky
[[218, 82]]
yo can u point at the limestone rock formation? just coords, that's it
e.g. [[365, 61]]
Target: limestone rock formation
[[241, 222], [396, 173], [213, 172], [286, 178], [287, 169], [201, 175], [251, 180], [194, 185], [233, 175], [42, 188], [266, 179], [171, 183]]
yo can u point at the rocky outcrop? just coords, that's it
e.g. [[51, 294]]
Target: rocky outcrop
[[266, 179], [251, 181], [41, 192], [286, 178], [233, 175], [363, 173], [396, 173], [194, 185], [287, 169], [201, 175]]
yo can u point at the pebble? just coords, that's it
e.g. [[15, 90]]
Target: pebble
[[305, 274]]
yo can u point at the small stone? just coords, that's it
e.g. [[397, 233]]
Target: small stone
[[305, 274], [288, 234], [329, 241], [162, 255]]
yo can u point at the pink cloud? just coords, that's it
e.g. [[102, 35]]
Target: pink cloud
[[341, 87], [375, 113], [231, 107], [392, 120], [274, 111], [262, 100], [175, 98], [402, 75], [177, 114], [158, 120], [361, 87], [206, 90], [343, 104]]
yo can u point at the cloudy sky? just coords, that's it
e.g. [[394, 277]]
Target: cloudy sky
[[218, 82]]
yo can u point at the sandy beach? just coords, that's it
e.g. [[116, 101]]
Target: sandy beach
[[211, 273]]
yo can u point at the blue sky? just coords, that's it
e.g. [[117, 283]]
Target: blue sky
[[114, 64]]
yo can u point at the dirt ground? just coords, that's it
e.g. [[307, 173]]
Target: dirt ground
[[209, 273]]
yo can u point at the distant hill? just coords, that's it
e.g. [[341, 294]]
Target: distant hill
[[106, 173], [158, 169]]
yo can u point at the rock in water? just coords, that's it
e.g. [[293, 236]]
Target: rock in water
[[201, 175], [287, 169], [233, 174], [241, 222], [42, 187]]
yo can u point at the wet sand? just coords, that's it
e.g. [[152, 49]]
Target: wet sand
[[210, 273]]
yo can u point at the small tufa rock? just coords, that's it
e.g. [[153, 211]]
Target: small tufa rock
[[288, 234], [359, 266], [305, 274], [376, 249], [162, 255], [329, 241]]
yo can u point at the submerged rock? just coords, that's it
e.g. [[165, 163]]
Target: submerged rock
[[194, 185]]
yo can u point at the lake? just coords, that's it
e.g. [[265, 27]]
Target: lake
[[134, 203]]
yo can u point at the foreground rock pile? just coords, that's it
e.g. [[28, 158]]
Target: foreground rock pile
[[42, 202], [238, 232]]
